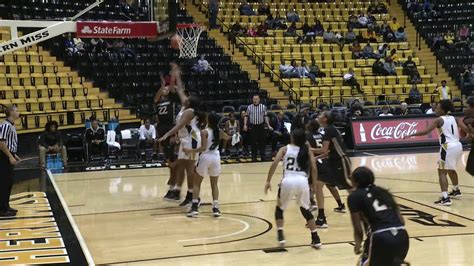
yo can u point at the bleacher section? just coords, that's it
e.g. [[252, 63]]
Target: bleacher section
[[331, 59], [45, 89], [434, 21]]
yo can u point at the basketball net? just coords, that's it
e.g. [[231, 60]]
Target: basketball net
[[189, 38]]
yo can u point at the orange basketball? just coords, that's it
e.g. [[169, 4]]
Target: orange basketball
[[175, 42]]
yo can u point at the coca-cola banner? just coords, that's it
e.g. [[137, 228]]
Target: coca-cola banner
[[389, 132], [105, 29]]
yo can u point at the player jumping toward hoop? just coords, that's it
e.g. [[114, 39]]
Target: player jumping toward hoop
[[298, 161]]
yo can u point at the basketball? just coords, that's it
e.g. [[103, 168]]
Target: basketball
[[175, 42]]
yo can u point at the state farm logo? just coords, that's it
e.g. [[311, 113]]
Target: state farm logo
[[393, 132], [86, 30], [106, 30]]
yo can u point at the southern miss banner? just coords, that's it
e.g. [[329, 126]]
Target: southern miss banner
[[389, 132], [100, 29]]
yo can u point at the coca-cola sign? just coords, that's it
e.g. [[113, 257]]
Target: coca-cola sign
[[105, 29], [390, 132]]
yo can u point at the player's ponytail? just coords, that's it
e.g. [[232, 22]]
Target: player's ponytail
[[213, 123], [299, 139], [364, 178]]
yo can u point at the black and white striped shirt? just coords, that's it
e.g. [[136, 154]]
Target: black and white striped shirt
[[256, 114], [8, 134]]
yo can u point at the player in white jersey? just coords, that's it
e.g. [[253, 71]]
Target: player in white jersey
[[188, 134], [298, 161], [450, 152], [208, 164]]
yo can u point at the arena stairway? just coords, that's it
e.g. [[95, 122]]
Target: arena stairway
[[239, 57]]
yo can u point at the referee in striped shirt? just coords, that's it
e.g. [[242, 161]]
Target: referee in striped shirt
[[8, 159], [254, 122]]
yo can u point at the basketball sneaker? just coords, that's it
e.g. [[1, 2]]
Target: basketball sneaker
[[216, 212], [169, 196], [443, 201], [455, 193], [176, 196], [187, 200], [341, 208], [313, 208], [281, 238], [321, 222], [315, 240], [194, 211]]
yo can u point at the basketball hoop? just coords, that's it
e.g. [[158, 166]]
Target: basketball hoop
[[189, 38]]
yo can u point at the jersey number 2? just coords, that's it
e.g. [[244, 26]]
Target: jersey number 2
[[379, 207], [290, 166]]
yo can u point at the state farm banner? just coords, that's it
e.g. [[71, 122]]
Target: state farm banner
[[105, 29], [389, 132]]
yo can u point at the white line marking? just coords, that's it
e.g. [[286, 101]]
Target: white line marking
[[85, 249], [373, 154], [246, 227]]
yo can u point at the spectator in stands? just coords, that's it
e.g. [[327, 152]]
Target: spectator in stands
[[362, 20], [464, 33], [213, 11], [232, 128], [350, 36], [394, 25], [349, 79], [280, 133], [329, 36], [51, 141], [95, 138], [314, 69], [388, 35], [448, 39], [393, 56], [245, 9], [262, 30], [385, 111], [400, 35], [237, 29], [147, 137], [413, 6], [269, 21], [291, 31], [414, 94], [432, 110], [369, 36], [353, 20], [304, 72], [368, 52], [292, 16], [279, 23], [356, 50], [380, 8], [264, 9], [402, 110], [308, 34], [466, 76], [318, 28], [389, 66], [443, 91], [251, 32], [202, 65], [371, 20], [290, 71], [383, 50], [409, 68], [378, 68]]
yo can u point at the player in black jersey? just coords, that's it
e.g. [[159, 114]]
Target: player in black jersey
[[387, 241], [314, 136], [166, 99], [337, 165], [468, 121]]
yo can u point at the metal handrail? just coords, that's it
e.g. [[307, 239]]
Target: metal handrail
[[260, 60]]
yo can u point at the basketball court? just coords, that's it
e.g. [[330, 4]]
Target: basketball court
[[123, 219]]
